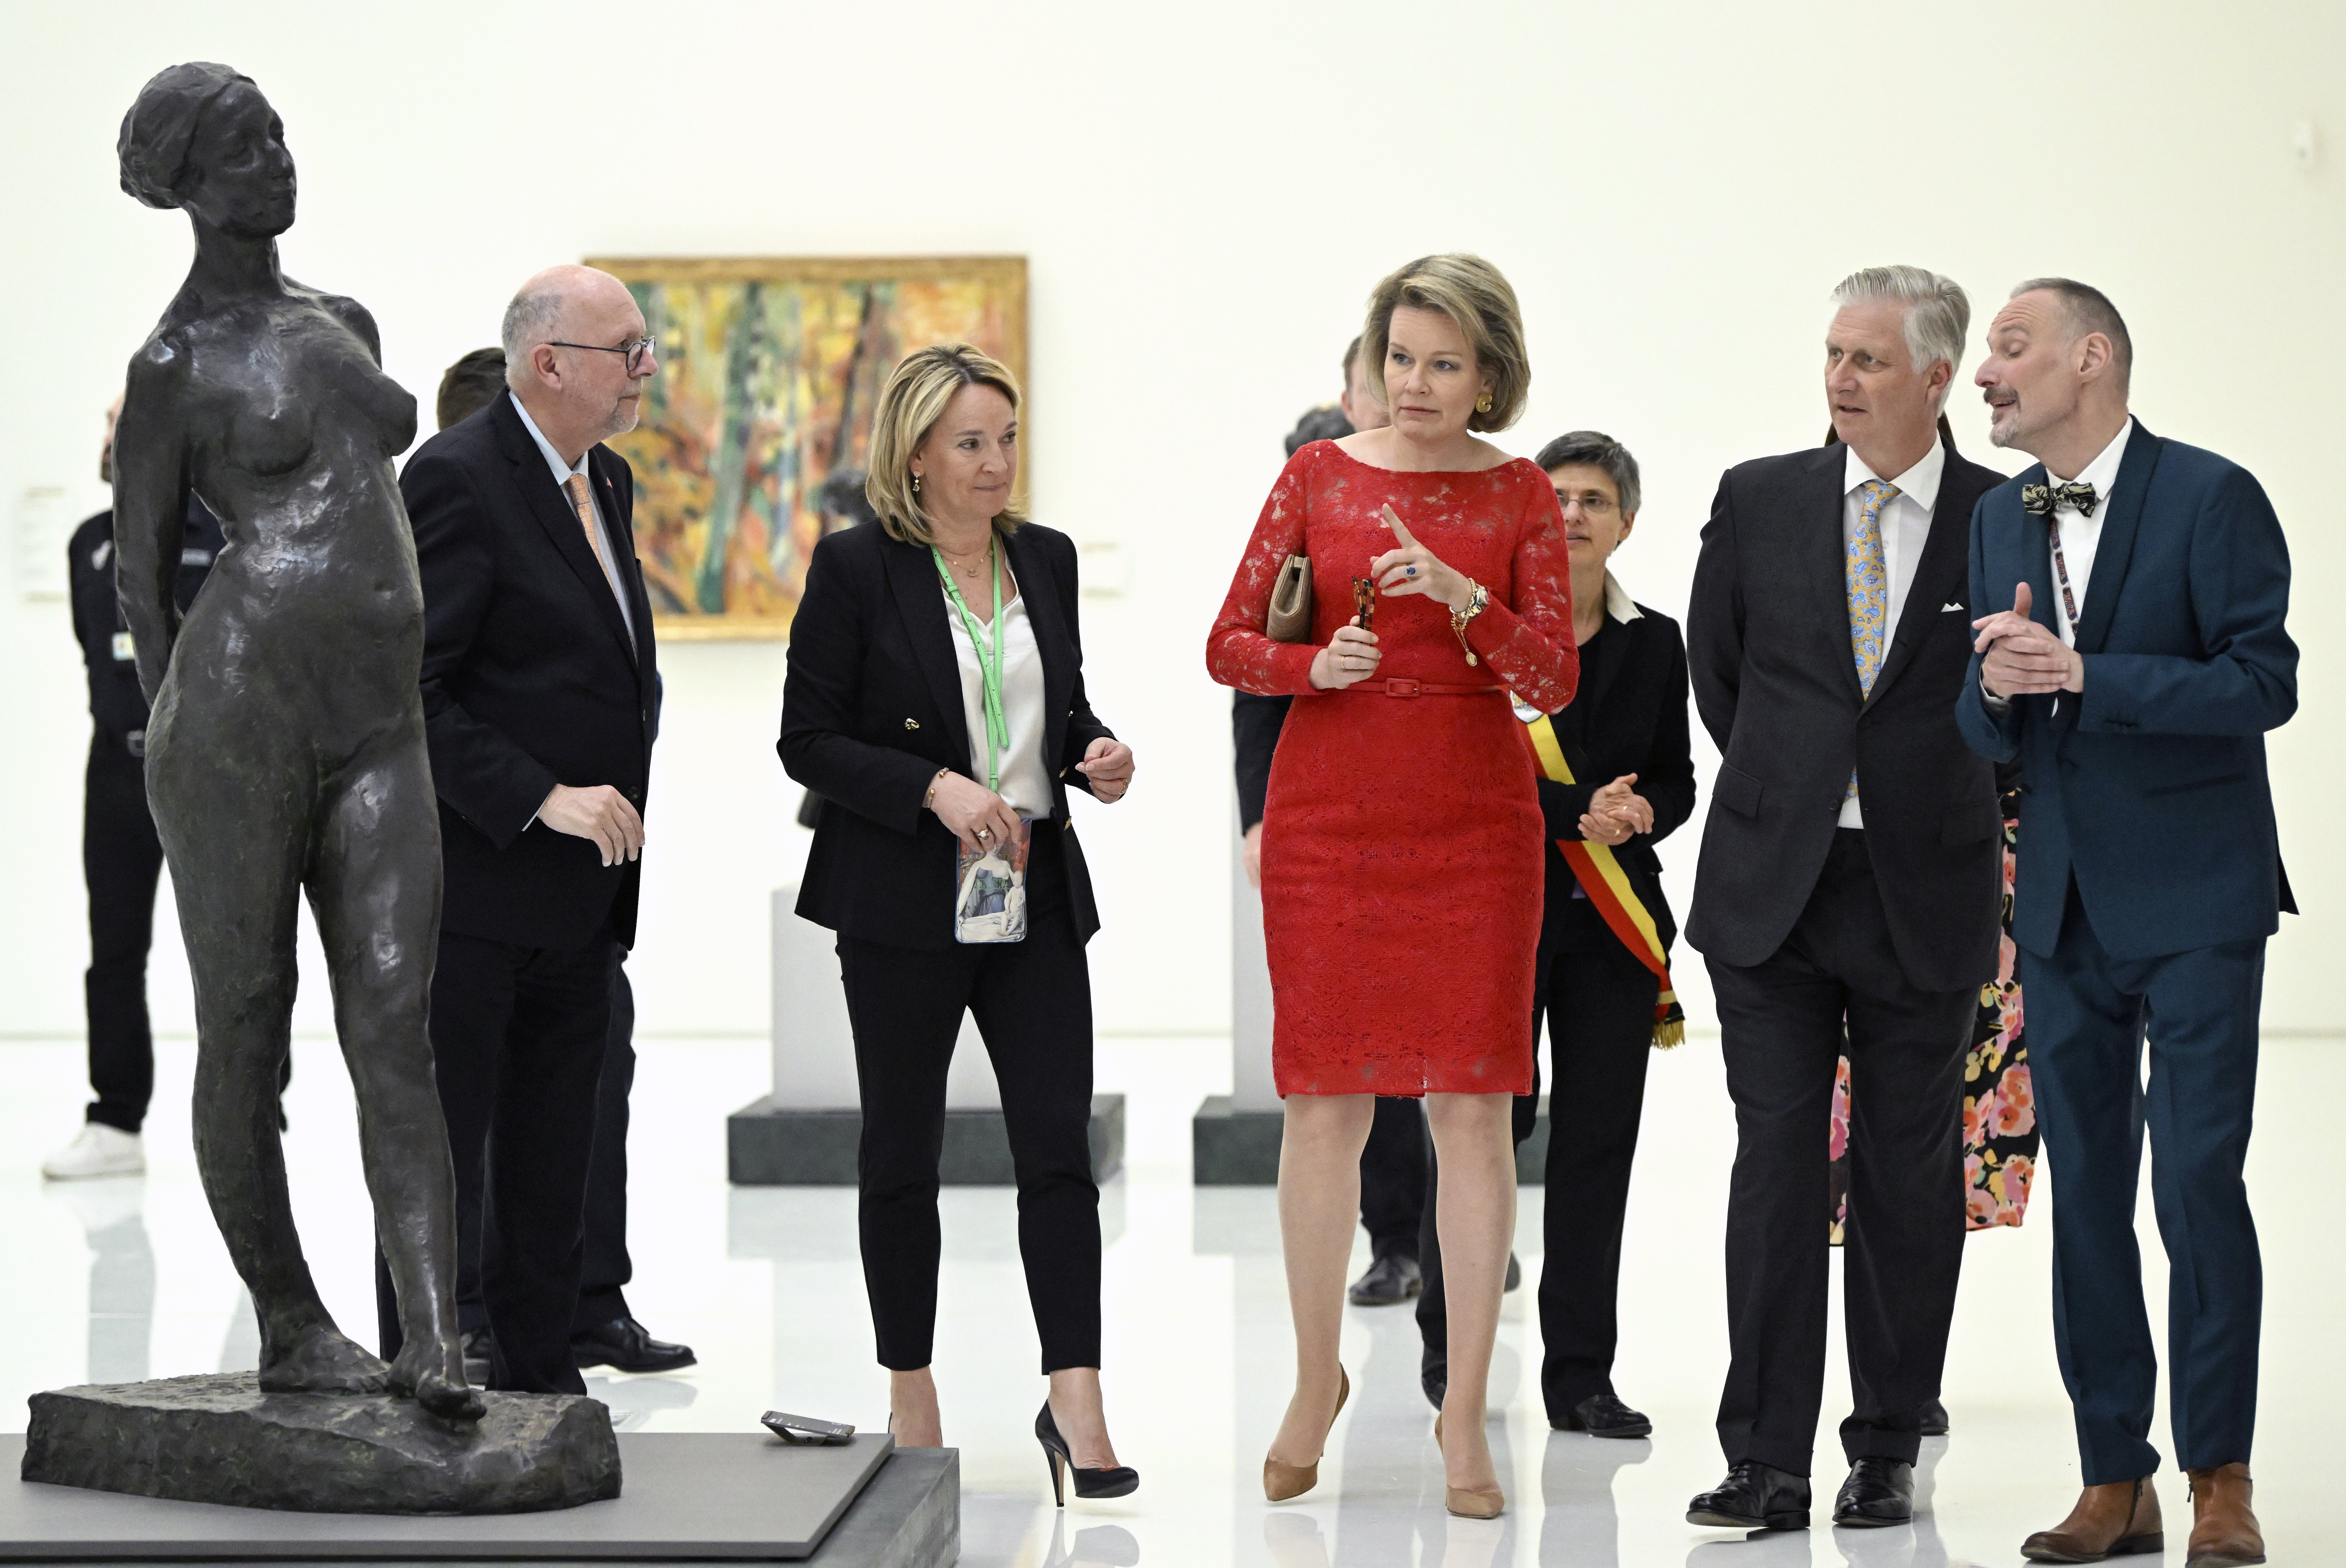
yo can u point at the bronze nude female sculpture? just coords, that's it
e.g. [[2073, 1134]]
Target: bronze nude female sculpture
[[285, 751]]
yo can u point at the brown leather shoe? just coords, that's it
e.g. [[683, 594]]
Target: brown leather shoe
[[2116, 1519], [2224, 1531]]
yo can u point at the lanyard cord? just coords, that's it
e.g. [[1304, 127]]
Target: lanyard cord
[[989, 662]]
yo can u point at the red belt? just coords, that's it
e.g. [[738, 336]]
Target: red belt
[[1399, 686]]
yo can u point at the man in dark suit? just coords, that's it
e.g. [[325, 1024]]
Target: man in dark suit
[[603, 1331], [1848, 879], [538, 684], [2145, 655], [121, 857]]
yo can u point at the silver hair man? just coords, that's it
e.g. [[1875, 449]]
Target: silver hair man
[[1938, 312]]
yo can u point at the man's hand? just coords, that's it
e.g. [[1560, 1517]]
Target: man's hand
[[599, 814], [1108, 765], [2023, 657]]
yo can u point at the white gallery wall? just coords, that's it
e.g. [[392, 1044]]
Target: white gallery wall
[[1205, 193]]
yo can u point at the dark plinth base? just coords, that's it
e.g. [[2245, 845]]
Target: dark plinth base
[[691, 1495], [1230, 1148], [218, 1438], [769, 1145]]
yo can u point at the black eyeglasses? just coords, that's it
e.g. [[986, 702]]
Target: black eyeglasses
[[635, 351]]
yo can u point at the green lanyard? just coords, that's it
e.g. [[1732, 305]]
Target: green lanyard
[[989, 662]]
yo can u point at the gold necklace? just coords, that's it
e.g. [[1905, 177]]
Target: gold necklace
[[969, 571]]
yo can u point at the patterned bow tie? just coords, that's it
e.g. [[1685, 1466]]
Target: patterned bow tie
[[2040, 499]]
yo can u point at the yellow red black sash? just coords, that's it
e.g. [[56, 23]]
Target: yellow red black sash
[[1607, 886]]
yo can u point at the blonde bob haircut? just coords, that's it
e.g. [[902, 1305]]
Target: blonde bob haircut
[[914, 399], [1470, 293]]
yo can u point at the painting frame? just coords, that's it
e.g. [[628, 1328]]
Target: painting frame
[[1001, 280]]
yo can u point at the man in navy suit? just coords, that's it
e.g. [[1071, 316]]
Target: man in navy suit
[[2143, 659]]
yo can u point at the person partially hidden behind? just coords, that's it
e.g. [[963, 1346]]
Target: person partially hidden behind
[[1848, 885], [603, 1329], [121, 857], [539, 685], [2143, 658]]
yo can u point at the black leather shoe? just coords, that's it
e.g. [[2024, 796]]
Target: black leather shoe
[[477, 1345], [625, 1344], [1387, 1282], [1934, 1420], [1879, 1491], [1604, 1415], [1754, 1496], [1515, 1273], [1433, 1378]]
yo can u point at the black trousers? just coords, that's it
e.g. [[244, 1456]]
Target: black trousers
[[607, 1268], [2089, 1015], [519, 1036], [121, 860], [1033, 1004], [1780, 1024], [1597, 1003], [1393, 1177]]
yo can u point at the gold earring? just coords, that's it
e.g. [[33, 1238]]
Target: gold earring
[[1482, 403], [917, 485]]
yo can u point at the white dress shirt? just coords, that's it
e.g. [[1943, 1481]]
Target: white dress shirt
[[1905, 528], [562, 471], [1026, 781], [2081, 535]]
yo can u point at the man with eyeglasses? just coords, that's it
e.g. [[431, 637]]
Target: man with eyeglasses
[[539, 689]]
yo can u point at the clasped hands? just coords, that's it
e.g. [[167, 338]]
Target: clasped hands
[[2023, 658], [1616, 812], [1353, 654]]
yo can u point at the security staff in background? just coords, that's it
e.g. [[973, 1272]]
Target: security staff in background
[[602, 1331], [120, 856]]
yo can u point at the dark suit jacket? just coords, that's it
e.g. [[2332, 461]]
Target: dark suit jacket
[[873, 708], [529, 679], [116, 707], [2149, 785], [1629, 716], [1769, 651], [1255, 724]]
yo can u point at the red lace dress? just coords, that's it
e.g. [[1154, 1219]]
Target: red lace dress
[[1401, 870]]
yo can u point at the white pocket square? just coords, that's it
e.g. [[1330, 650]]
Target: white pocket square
[[1944, 609]]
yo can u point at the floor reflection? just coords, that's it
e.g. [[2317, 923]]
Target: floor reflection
[[1094, 1546], [633, 1402], [1580, 1527], [112, 1211]]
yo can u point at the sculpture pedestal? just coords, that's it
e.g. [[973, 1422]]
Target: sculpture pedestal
[[218, 1438]]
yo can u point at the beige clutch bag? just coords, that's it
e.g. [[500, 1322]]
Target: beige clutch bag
[[1290, 620]]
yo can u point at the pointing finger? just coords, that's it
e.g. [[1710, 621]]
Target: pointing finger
[[1400, 529]]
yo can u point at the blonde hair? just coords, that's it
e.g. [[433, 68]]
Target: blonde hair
[[1474, 294], [914, 399]]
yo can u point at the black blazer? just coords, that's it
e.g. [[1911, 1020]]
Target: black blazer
[[873, 708], [529, 679], [118, 708], [1629, 716], [1768, 645]]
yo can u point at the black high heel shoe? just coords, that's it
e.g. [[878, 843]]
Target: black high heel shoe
[[1117, 1482]]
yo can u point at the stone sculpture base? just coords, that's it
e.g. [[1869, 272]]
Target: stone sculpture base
[[769, 1144], [218, 1438]]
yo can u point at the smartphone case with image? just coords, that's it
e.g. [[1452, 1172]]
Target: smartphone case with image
[[989, 890]]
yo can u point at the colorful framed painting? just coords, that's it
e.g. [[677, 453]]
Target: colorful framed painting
[[753, 436]]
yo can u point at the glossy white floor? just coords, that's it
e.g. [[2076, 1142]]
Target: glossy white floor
[[126, 1279]]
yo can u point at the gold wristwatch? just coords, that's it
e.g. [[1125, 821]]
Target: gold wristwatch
[[1476, 603]]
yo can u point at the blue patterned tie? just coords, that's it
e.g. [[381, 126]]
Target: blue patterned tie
[[1869, 590]]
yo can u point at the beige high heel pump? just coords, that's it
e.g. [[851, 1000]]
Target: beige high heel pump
[[1470, 1502], [1280, 1480]]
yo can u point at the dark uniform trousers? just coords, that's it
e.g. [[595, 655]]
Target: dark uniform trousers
[[121, 860], [1782, 1025], [1598, 1001]]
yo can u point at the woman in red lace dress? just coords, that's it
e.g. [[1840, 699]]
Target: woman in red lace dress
[[1402, 872]]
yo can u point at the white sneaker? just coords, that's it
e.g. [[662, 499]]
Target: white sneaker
[[99, 1151]]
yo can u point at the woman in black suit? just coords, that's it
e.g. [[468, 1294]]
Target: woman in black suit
[[1624, 742], [935, 703]]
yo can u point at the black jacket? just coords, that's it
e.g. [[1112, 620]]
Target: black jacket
[[528, 679], [873, 708], [1629, 716], [116, 707], [1769, 651]]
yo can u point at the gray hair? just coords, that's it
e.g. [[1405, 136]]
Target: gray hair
[[1595, 449], [532, 318], [1938, 313], [2088, 310]]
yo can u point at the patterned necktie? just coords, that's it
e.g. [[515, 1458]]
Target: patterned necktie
[[2040, 499], [583, 505], [1868, 573]]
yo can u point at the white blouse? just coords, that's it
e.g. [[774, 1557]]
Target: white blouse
[[1025, 780]]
